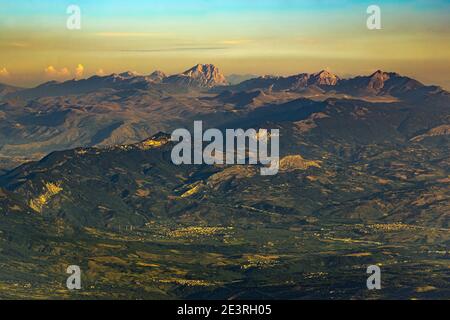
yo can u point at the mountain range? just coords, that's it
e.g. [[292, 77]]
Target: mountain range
[[377, 84], [364, 179], [199, 76], [128, 107], [207, 76]]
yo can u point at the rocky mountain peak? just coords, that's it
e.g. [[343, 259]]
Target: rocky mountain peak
[[324, 78], [158, 73], [378, 78], [128, 74], [206, 75], [157, 76]]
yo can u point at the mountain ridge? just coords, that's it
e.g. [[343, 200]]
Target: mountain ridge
[[6, 89], [201, 75], [208, 76], [359, 182], [128, 107]]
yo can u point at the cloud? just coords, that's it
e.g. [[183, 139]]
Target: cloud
[[132, 34], [175, 49], [64, 72], [19, 45], [100, 72], [79, 71], [51, 71], [234, 42], [4, 72]]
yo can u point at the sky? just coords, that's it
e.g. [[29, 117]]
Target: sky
[[257, 37]]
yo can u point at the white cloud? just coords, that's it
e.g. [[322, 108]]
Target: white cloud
[[132, 34], [64, 72], [79, 71], [4, 72], [51, 71], [235, 42]]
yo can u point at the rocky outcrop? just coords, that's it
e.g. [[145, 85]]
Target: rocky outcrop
[[202, 75]]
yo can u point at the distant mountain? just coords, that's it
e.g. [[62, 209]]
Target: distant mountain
[[201, 75], [273, 83], [7, 89], [377, 84], [290, 83], [125, 80], [238, 78], [157, 76], [208, 77], [380, 83], [323, 78], [127, 107]]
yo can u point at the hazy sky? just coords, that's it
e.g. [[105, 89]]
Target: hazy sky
[[245, 36]]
